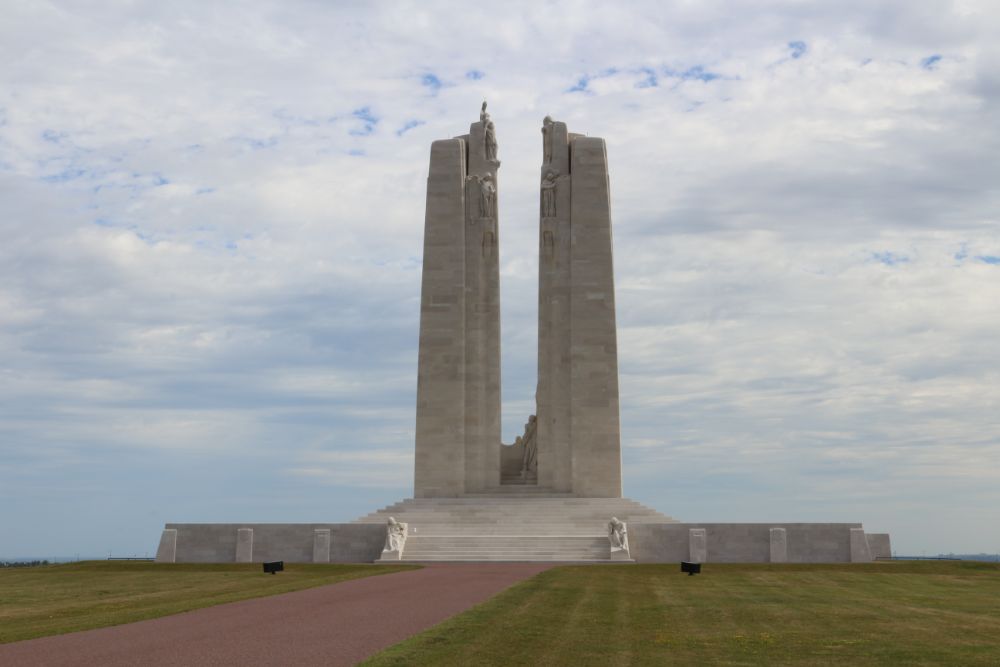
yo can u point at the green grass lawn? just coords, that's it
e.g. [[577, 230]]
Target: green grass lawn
[[894, 613], [39, 601]]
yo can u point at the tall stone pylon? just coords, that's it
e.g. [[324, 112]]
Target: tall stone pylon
[[458, 368], [578, 424]]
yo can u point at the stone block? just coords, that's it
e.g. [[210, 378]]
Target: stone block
[[244, 545], [779, 545], [697, 545], [167, 551], [879, 545], [860, 553], [321, 545]]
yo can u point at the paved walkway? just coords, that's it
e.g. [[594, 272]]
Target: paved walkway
[[339, 624]]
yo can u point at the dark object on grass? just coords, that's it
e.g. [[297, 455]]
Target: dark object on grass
[[276, 566], [691, 568]]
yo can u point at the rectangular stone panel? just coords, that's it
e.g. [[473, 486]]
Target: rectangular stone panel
[[697, 545], [244, 545], [321, 545], [779, 545]]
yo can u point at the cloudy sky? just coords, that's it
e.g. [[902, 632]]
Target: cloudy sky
[[211, 221]]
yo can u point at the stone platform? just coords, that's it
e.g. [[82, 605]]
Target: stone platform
[[522, 525]]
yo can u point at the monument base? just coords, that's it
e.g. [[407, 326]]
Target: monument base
[[528, 526]]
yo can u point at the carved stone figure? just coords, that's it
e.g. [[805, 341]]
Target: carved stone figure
[[491, 142], [617, 535], [547, 125], [529, 461], [484, 116], [395, 536], [549, 195], [487, 197]]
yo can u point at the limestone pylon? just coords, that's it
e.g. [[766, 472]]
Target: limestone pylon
[[458, 370]]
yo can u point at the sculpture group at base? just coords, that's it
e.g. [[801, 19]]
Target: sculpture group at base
[[396, 533]]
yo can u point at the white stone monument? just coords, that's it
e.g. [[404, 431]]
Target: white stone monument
[[573, 445]]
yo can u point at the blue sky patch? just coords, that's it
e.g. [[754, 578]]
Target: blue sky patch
[[356, 152], [474, 75], [409, 125], [582, 84], [989, 259], [930, 62], [431, 81], [698, 73], [65, 175], [798, 49], [650, 80], [889, 258], [368, 120]]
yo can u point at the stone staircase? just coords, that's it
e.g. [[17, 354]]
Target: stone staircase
[[517, 523]]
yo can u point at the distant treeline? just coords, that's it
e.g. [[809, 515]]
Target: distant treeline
[[23, 563], [992, 558]]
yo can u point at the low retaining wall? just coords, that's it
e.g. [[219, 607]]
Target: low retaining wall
[[649, 543], [755, 543], [259, 542]]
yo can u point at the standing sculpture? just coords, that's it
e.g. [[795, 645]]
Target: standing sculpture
[[491, 142], [549, 195], [487, 197], [547, 125]]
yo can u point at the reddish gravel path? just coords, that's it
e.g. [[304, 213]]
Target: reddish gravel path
[[339, 624]]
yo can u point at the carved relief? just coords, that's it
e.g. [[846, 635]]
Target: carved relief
[[489, 242], [548, 244], [549, 195]]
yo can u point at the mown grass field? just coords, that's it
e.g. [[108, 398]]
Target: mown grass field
[[39, 601], [894, 613]]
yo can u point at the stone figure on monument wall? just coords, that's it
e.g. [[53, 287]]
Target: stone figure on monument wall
[[547, 126], [487, 197], [491, 142], [617, 535], [395, 535], [484, 115], [549, 195]]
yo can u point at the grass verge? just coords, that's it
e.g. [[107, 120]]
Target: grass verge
[[913, 613], [40, 601]]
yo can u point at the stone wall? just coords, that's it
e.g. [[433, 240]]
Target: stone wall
[[744, 542], [290, 542]]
